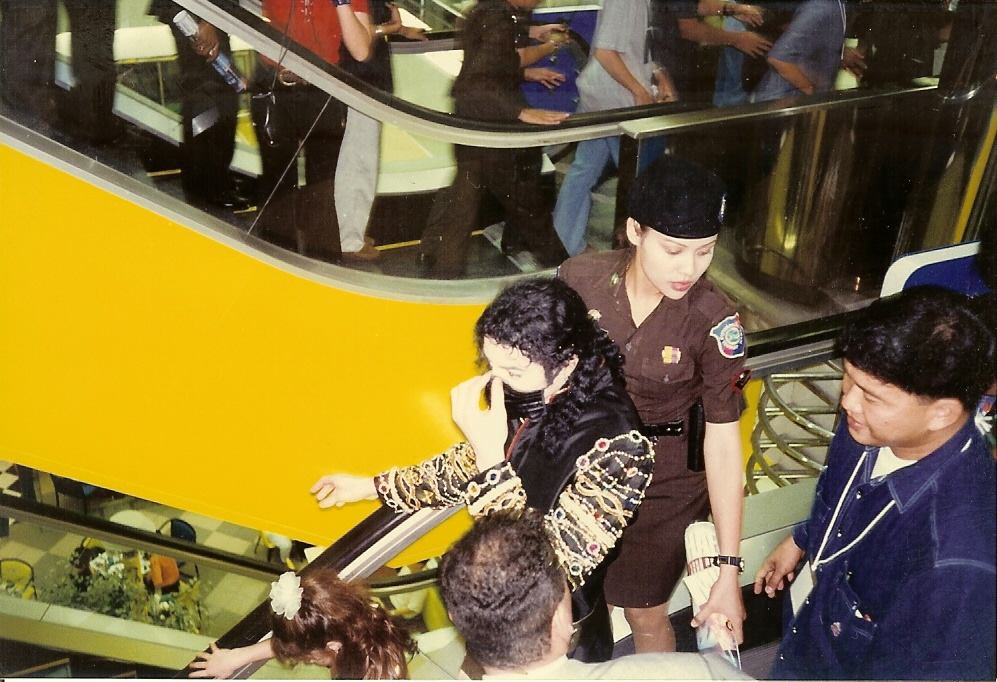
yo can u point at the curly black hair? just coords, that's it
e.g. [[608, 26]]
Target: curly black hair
[[502, 584], [548, 322]]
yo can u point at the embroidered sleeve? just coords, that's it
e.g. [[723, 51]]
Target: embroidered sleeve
[[591, 512], [436, 483]]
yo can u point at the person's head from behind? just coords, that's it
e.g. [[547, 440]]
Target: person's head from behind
[[676, 209], [537, 334], [506, 593], [916, 364], [322, 620]]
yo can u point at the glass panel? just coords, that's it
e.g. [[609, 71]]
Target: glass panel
[[864, 175], [118, 580]]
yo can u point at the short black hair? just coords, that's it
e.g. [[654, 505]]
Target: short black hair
[[502, 584], [926, 341]]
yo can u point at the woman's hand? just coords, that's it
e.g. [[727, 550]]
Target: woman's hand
[[748, 14], [725, 600], [338, 489], [206, 42], [544, 117], [546, 76], [549, 32], [485, 429], [412, 33], [217, 663]]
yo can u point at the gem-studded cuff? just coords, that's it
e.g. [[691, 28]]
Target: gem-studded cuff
[[494, 489]]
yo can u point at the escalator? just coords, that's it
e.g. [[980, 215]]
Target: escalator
[[172, 354]]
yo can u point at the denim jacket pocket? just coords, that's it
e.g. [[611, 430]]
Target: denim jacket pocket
[[850, 629]]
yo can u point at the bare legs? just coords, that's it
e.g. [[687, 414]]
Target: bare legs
[[652, 631]]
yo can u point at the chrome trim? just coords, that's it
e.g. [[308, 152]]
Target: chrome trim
[[781, 108], [41, 148], [410, 530], [481, 136], [800, 356], [65, 521]]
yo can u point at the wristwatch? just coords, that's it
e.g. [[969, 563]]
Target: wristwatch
[[340, 3], [725, 559]]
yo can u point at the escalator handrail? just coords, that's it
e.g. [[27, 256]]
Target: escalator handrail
[[363, 549], [385, 107], [30, 511]]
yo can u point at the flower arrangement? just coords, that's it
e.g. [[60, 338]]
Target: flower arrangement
[[110, 582]]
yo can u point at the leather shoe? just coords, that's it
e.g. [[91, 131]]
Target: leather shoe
[[366, 254]]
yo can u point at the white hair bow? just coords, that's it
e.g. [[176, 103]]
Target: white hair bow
[[285, 595]]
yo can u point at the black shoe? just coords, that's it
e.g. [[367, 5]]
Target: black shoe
[[229, 199]]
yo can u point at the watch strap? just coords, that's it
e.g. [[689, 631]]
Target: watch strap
[[728, 560]]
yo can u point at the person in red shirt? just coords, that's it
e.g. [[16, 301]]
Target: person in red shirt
[[287, 111]]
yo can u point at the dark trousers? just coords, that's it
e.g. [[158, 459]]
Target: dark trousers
[[27, 57], [595, 636], [91, 100], [512, 176], [301, 218], [210, 109]]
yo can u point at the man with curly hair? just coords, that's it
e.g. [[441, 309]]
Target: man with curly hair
[[559, 435], [507, 595]]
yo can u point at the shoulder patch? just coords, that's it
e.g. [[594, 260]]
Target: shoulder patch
[[730, 336]]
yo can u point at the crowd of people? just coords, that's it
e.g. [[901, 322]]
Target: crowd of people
[[642, 51], [605, 422]]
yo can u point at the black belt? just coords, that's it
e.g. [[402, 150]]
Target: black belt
[[672, 428]]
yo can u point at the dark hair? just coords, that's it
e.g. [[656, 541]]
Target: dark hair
[[501, 584], [373, 645], [548, 322], [926, 341]]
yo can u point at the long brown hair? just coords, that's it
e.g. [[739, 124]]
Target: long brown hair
[[373, 645]]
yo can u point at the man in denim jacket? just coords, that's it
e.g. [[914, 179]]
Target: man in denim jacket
[[899, 578]]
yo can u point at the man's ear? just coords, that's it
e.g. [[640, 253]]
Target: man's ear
[[561, 626], [634, 232], [945, 412]]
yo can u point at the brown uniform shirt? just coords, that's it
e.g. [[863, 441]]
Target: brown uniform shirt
[[684, 350]]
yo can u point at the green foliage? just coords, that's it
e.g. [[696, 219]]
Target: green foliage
[[110, 583]]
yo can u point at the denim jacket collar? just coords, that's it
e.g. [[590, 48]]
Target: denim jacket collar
[[908, 484]]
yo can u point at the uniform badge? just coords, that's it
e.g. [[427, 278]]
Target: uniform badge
[[670, 355], [730, 336]]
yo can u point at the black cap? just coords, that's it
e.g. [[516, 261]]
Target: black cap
[[678, 198]]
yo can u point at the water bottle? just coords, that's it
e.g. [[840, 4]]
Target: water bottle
[[222, 63]]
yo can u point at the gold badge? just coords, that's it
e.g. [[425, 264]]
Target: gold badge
[[670, 355]]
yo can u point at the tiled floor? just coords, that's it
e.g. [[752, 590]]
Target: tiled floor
[[226, 598]]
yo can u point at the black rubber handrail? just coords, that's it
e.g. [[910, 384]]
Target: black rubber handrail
[[30, 511], [349, 547], [267, 39]]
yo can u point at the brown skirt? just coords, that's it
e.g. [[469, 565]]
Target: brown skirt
[[652, 550]]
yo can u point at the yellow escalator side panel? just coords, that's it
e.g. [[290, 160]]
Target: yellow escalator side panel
[[142, 356], [752, 392]]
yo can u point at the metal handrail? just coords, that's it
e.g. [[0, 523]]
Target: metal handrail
[[634, 122], [30, 511]]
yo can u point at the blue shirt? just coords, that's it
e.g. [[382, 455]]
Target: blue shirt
[[812, 42], [915, 598]]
